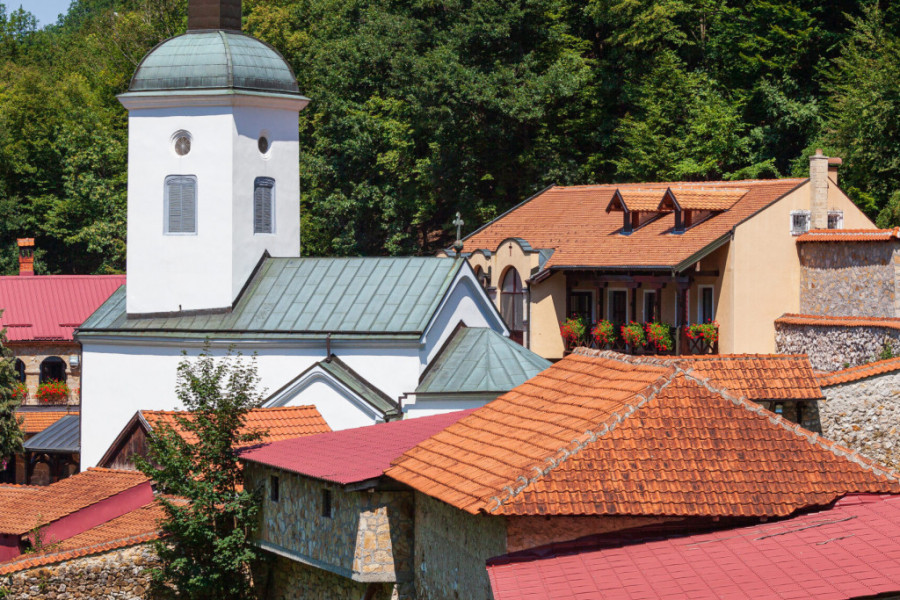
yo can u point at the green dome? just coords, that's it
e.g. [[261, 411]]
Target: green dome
[[201, 60]]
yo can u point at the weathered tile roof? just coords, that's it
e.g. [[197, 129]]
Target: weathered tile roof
[[50, 307], [309, 297], [282, 423], [604, 434], [350, 455], [703, 198], [859, 372], [849, 551], [573, 222], [478, 359], [829, 321], [63, 436], [849, 235], [35, 421], [24, 508], [132, 528], [759, 377]]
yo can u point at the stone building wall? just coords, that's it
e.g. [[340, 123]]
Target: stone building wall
[[832, 348], [34, 353], [368, 538], [865, 415], [292, 580], [451, 547], [850, 279], [119, 575], [529, 532]]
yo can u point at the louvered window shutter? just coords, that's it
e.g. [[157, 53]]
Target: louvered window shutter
[[181, 204], [263, 200]]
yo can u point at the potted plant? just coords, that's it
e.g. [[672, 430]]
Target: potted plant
[[20, 393], [633, 334], [659, 335], [572, 331], [53, 392], [604, 333], [708, 332]]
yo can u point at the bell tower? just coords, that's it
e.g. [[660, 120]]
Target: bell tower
[[213, 153]]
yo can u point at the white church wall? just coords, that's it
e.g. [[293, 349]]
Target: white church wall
[[415, 407]]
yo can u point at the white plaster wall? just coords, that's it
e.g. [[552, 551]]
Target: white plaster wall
[[337, 405], [414, 408], [119, 379]]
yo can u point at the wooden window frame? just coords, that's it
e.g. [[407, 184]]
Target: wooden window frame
[[609, 304], [700, 315]]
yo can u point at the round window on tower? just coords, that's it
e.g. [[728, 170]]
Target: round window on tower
[[181, 142], [263, 144]]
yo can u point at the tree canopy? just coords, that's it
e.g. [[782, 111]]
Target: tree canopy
[[422, 109]]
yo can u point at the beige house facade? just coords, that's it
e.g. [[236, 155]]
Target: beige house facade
[[674, 252]]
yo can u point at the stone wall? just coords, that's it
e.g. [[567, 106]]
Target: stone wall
[[832, 348], [291, 580], [118, 575], [451, 548], [34, 353], [368, 536], [849, 279], [865, 416], [529, 532]]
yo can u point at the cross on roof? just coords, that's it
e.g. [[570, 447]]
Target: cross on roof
[[459, 223]]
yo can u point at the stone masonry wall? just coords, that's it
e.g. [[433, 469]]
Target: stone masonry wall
[[34, 353], [292, 580], [451, 548], [849, 280], [367, 538], [118, 575], [865, 416], [834, 348], [529, 532]]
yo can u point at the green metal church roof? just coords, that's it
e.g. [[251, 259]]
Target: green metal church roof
[[201, 60], [479, 359], [307, 297]]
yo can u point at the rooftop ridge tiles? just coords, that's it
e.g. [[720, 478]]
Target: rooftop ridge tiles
[[858, 372]]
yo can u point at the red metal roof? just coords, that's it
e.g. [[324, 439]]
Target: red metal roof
[[351, 455], [50, 307], [849, 551]]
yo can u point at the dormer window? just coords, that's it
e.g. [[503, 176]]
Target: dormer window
[[799, 222], [835, 219]]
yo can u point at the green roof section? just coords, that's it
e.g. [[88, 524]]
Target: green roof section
[[307, 297], [359, 385], [205, 60], [480, 360]]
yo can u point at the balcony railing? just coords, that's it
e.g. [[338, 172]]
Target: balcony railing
[[682, 341]]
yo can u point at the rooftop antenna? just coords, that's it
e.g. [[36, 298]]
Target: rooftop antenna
[[458, 245]]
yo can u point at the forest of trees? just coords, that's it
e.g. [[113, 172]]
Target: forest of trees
[[426, 107]]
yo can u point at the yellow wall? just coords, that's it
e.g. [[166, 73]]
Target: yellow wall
[[548, 308]]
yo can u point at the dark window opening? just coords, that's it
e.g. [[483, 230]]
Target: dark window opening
[[20, 371], [706, 305], [274, 491], [650, 315], [618, 306], [53, 369], [512, 305], [581, 305], [326, 503]]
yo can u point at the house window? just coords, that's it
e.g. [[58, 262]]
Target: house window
[[618, 306], [512, 304], [326, 504], [181, 204], [263, 205], [53, 369], [581, 304], [799, 222], [835, 219], [706, 306], [20, 371], [650, 315], [274, 491]]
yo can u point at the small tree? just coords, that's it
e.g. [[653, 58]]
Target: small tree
[[11, 435], [206, 550]]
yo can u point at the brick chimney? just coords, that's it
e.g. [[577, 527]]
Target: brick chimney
[[26, 256], [214, 14], [818, 184]]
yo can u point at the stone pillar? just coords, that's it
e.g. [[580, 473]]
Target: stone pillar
[[818, 185]]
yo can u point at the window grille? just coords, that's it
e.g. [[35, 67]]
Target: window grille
[[799, 222], [263, 205], [181, 204]]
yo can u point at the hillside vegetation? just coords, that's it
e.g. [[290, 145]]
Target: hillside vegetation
[[423, 108]]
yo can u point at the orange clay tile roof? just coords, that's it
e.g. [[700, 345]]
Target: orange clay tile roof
[[281, 423], [24, 508], [574, 223], [600, 433], [135, 527], [638, 200], [829, 321], [37, 421], [759, 376], [701, 198], [859, 372], [850, 235]]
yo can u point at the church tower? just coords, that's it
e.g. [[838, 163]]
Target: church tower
[[213, 152]]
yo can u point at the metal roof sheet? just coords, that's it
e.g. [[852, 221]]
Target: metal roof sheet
[[360, 386], [62, 436], [296, 297], [50, 307], [478, 359]]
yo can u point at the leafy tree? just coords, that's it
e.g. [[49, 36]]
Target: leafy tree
[[206, 550], [11, 436]]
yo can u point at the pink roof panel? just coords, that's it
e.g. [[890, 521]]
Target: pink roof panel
[[351, 455], [50, 307], [848, 551]]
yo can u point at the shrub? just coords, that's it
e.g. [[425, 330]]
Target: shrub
[[572, 330], [604, 333], [660, 336], [633, 334]]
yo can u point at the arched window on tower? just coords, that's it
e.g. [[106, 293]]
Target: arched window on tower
[[53, 369], [512, 304], [20, 371]]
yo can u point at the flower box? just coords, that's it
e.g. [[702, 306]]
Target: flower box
[[53, 392]]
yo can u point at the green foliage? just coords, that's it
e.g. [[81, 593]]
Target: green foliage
[[207, 549], [886, 352], [11, 435]]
